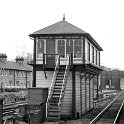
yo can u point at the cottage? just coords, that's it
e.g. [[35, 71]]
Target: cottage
[[13, 77], [66, 59], [14, 74]]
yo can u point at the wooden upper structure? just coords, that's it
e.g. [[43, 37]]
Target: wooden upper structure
[[64, 38]]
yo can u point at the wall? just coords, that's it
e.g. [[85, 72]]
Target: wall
[[41, 81], [111, 78], [66, 110]]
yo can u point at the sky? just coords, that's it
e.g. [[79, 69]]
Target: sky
[[103, 19]]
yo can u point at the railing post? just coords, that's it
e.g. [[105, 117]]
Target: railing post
[[43, 59], [71, 63]]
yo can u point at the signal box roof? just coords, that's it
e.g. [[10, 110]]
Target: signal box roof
[[63, 28]]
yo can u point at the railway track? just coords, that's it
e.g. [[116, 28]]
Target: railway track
[[113, 113]]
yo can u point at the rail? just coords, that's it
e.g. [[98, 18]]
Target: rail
[[52, 83], [64, 84], [119, 112], [97, 117]]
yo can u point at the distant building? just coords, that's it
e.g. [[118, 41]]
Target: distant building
[[14, 74], [112, 79]]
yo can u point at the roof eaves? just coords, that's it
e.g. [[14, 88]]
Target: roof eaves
[[100, 48]]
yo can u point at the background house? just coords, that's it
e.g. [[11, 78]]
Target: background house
[[15, 78]]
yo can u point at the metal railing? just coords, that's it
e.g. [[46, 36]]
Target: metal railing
[[121, 107], [49, 58], [52, 83], [64, 85]]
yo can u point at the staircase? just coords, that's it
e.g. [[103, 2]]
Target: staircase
[[57, 91]]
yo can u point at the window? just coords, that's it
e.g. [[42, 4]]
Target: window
[[77, 48], [88, 51], [92, 54], [2, 72], [96, 57], [10, 73], [17, 83], [22, 74], [40, 48], [28, 74], [61, 48], [17, 73], [69, 46], [5, 72]]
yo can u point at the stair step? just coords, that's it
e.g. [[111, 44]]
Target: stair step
[[57, 87], [59, 81], [56, 93], [52, 114], [57, 90], [58, 84], [53, 107], [54, 101], [60, 74], [53, 110], [52, 119]]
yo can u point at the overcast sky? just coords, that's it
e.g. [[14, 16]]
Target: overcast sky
[[103, 19]]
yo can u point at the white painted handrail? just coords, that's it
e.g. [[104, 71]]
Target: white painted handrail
[[63, 84]]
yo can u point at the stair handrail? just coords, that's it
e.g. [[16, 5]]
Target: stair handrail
[[52, 83], [63, 84]]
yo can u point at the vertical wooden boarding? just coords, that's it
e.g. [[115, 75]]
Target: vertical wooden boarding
[[41, 81], [83, 96], [66, 109], [78, 98], [91, 93], [73, 94], [87, 93]]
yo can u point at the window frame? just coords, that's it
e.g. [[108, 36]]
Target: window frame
[[73, 47], [44, 51]]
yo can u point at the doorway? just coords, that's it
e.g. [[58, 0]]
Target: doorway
[[50, 51]]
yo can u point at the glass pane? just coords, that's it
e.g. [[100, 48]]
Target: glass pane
[[61, 48], [77, 48], [69, 47], [77, 51], [40, 48], [88, 51]]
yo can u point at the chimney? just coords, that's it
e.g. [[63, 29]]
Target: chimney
[[19, 60], [3, 57]]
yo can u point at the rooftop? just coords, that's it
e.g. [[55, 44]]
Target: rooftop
[[15, 66], [62, 27]]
